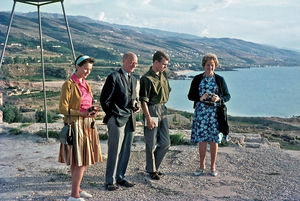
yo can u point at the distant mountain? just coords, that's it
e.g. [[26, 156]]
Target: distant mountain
[[108, 41]]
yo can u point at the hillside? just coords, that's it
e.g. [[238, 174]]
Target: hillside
[[107, 42]]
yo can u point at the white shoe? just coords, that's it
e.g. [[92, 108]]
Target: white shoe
[[213, 173], [75, 199], [198, 172], [85, 194]]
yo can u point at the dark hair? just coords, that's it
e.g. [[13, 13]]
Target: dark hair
[[88, 60], [158, 55]]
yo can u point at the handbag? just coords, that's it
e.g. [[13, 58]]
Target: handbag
[[67, 133], [222, 118]]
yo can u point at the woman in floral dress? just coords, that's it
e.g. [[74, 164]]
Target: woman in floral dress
[[207, 90]]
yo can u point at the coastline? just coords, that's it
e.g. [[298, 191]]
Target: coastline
[[254, 92], [183, 72]]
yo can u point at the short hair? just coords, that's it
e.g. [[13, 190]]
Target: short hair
[[158, 55], [88, 60], [128, 55], [210, 56]]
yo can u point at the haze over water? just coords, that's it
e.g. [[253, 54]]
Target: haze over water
[[254, 92]]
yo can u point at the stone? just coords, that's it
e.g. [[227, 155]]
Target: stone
[[1, 117], [253, 139], [253, 145], [239, 140], [1, 99]]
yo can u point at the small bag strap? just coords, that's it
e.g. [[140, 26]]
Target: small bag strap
[[69, 112], [69, 121]]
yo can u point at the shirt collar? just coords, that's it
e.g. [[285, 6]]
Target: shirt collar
[[153, 73], [125, 73], [76, 80]]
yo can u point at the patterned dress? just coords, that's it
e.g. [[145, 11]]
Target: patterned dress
[[205, 125]]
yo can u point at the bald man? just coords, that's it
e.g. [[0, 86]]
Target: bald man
[[118, 100]]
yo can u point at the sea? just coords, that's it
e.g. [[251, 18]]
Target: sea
[[255, 92]]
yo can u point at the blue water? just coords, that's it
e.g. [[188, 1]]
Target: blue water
[[254, 92]]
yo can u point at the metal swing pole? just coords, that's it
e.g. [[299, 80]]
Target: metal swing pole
[[38, 4], [68, 29], [43, 69], [7, 33]]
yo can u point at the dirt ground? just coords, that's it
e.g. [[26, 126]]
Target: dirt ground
[[30, 171]]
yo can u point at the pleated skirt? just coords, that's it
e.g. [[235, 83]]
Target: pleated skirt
[[86, 148]]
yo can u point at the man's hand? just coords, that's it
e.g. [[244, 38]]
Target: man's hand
[[150, 123]]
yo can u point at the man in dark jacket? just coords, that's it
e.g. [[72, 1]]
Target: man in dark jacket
[[118, 100]]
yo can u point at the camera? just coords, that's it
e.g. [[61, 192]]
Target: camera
[[209, 96], [208, 100], [135, 105], [93, 109]]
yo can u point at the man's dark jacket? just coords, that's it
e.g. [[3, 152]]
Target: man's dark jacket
[[116, 98]]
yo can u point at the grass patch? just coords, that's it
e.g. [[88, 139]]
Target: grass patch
[[57, 175], [38, 96], [176, 139], [103, 136], [286, 141], [289, 146], [51, 134], [15, 131], [259, 123], [223, 144], [273, 173], [25, 125]]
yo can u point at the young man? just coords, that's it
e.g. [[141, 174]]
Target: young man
[[154, 93], [118, 99]]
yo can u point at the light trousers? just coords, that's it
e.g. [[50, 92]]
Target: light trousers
[[119, 148], [158, 139]]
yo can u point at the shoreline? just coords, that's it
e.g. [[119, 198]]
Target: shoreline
[[241, 116], [183, 72]]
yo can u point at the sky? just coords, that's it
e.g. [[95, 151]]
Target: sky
[[271, 22]]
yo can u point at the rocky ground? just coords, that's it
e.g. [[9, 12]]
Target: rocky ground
[[250, 169]]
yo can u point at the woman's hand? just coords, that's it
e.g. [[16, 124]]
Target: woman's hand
[[204, 97], [215, 98], [86, 113], [93, 114]]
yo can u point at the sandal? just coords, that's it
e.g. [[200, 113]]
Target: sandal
[[213, 173], [198, 172]]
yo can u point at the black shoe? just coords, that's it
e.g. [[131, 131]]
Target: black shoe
[[125, 183], [160, 173], [154, 176], [111, 187]]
